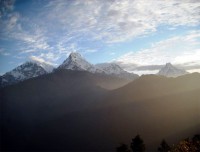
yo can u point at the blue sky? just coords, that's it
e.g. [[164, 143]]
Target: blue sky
[[139, 35]]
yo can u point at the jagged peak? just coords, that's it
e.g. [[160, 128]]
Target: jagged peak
[[75, 55], [109, 66], [171, 71], [76, 62], [48, 67], [27, 63], [169, 64]]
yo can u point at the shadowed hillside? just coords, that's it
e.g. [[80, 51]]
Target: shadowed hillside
[[69, 111]]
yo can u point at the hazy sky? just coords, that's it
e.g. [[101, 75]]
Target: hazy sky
[[140, 35]]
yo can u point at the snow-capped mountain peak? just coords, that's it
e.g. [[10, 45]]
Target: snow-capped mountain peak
[[26, 70], [170, 71], [115, 70], [110, 68], [169, 65], [75, 55], [76, 62], [23, 72], [46, 66]]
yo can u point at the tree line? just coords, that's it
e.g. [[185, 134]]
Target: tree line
[[185, 145]]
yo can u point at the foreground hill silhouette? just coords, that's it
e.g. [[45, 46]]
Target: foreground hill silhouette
[[70, 110]]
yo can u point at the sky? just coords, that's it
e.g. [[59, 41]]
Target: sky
[[139, 35]]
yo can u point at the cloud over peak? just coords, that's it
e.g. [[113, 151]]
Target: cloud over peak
[[183, 51]]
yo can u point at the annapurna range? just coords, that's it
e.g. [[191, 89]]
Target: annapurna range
[[75, 61]]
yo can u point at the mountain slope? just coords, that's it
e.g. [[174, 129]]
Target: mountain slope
[[170, 71], [47, 67], [153, 86], [23, 72], [68, 111], [115, 70]]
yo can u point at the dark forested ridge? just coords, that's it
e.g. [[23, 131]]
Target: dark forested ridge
[[73, 110]]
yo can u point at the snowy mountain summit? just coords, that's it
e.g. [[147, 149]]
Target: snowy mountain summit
[[23, 72], [76, 62], [115, 70], [170, 71], [110, 68], [47, 67]]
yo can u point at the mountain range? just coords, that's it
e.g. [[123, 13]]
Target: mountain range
[[83, 107], [76, 62]]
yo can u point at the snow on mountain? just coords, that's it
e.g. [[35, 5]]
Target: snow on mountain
[[115, 70], [110, 68], [76, 62], [23, 72], [170, 71], [47, 67]]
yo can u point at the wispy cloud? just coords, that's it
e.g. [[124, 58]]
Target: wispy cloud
[[116, 21], [3, 52], [6, 6], [109, 21], [180, 50], [41, 60]]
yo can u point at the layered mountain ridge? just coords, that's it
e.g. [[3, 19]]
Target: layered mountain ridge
[[68, 110], [76, 62]]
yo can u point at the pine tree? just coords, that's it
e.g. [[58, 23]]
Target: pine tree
[[137, 144], [164, 147], [123, 148], [196, 141]]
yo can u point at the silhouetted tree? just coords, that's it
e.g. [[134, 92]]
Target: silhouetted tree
[[196, 138], [123, 148], [164, 147], [196, 141], [137, 144]]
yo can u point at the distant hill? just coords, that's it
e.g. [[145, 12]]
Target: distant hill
[[72, 111]]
